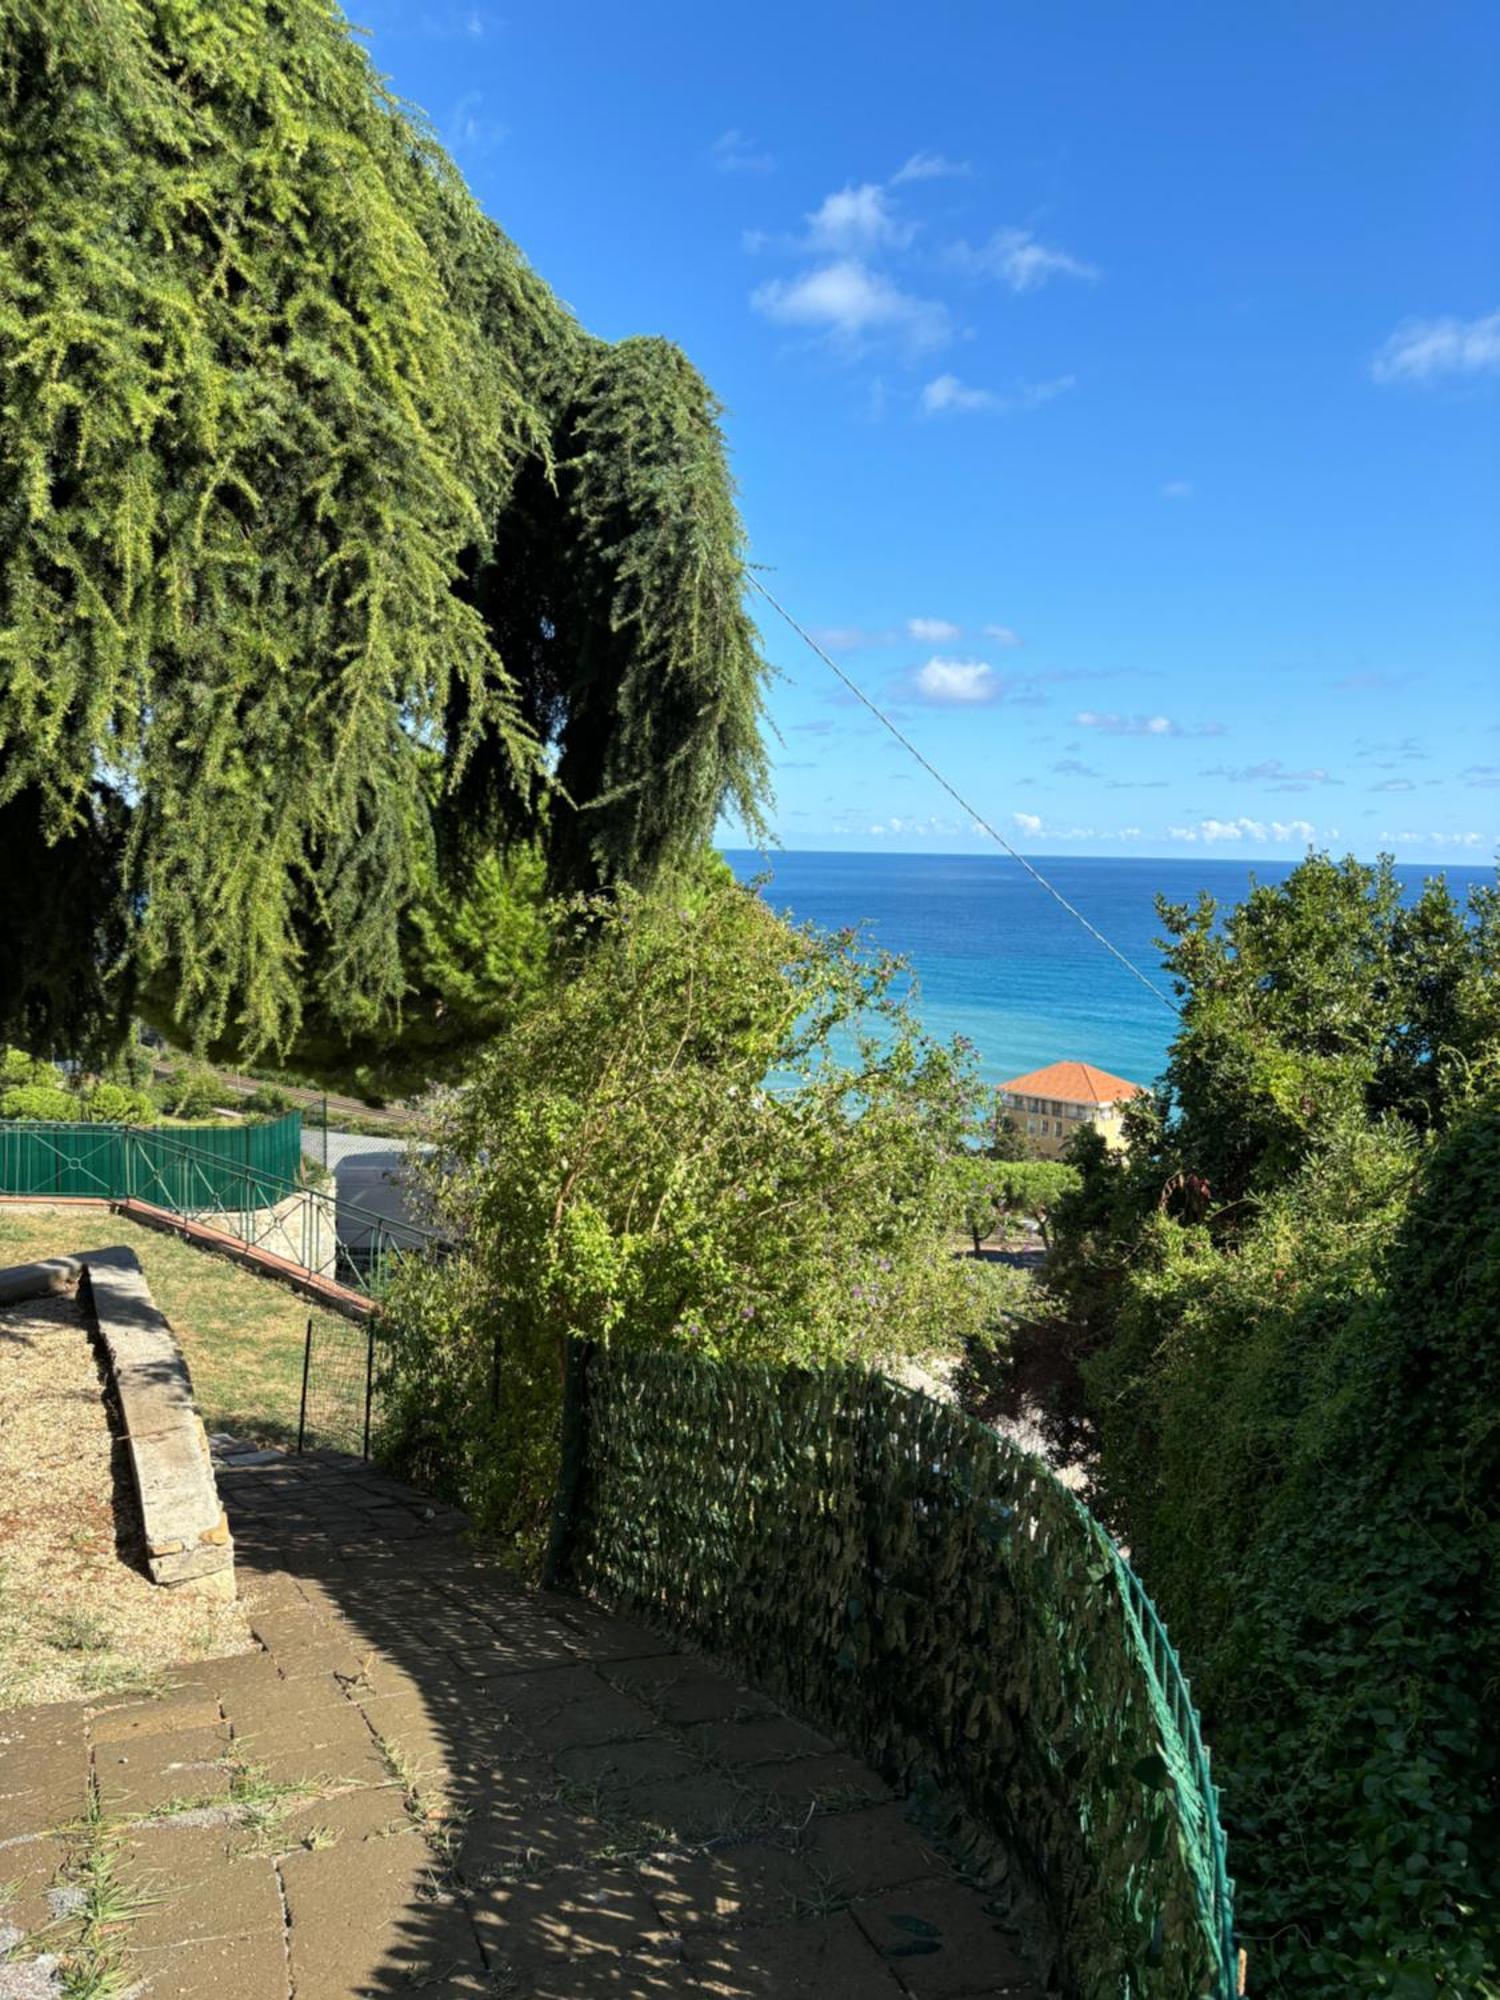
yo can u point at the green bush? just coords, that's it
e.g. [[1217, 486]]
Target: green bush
[[1035, 1187], [115, 1104], [18, 1068], [44, 1101], [269, 1100], [1289, 1285], [194, 1091], [618, 1166]]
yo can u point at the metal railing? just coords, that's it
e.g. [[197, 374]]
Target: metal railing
[[310, 1228]]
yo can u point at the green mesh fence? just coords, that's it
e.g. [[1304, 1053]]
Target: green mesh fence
[[182, 1166], [935, 1596]]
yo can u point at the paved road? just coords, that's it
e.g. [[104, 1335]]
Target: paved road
[[427, 1776]]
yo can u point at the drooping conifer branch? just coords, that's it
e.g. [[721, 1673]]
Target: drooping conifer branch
[[306, 479]]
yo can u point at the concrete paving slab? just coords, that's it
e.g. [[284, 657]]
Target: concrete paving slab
[[746, 1882], [42, 1785], [823, 1959], [873, 1850], [971, 1951]]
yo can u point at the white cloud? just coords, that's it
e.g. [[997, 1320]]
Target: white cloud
[[1031, 395], [470, 130], [1026, 822], [1177, 489], [849, 301], [1435, 839], [1142, 725], [932, 631], [856, 219], [945, 393], [733, 153], [1273, 773], [956, 683], [948, 395], [1016, 258], [1278, 832], [933, 827], [930, 167], [1425, 350], [1002, 635]]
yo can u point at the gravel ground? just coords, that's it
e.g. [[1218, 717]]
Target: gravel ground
[[77, 1617]]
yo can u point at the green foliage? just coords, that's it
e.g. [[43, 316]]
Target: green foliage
[[620, 1165], [269, 1099], [990, 1190], [192, 1091], [473, 954], [1289, 1286], [33, 1088], [107, 1103], [935, 1596], [981, 1199], [17, 1067], [321, 521], [45, 1101]]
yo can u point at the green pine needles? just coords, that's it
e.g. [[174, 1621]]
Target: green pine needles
[[331, 549]]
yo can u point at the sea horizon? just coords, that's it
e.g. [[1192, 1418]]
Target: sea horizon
[[996, 959]]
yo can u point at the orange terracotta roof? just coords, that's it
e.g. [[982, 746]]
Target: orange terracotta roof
[[1074, 1083]]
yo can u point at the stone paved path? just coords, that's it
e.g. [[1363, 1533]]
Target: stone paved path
[[429, 1777]]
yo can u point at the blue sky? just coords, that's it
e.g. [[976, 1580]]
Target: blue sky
[[1115, 390]]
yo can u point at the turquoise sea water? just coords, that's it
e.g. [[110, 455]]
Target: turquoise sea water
[[997, 960]]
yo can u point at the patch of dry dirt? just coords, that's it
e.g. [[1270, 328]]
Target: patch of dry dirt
[[78, 1615]]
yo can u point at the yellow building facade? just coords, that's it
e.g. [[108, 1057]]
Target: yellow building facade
[[1049, 1105]]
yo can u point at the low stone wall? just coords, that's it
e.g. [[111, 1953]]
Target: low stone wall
[[188, 1545]]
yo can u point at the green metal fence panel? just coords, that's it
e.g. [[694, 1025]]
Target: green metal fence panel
[[179, 1167], [936, 1596]]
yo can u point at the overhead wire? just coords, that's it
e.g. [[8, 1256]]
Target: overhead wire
[[976, 817]]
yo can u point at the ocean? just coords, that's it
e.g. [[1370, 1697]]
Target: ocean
[[997, 960]]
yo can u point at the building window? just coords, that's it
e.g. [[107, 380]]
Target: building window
[[1031, 1128]]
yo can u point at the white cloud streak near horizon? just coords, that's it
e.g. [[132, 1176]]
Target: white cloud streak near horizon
[[1214, 831], [1142, 725]]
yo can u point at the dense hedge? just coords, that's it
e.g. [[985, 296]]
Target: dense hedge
[[1291, 1288]]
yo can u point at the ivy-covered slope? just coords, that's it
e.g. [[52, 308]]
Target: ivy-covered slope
[[306, 480], [1291, 1292]]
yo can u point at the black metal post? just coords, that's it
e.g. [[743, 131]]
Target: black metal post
[[306, 1365], [369, 1379]]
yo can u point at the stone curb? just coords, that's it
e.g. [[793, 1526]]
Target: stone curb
[[187, 1534]]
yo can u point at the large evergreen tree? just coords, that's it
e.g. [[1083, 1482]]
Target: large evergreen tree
[[306, 482]]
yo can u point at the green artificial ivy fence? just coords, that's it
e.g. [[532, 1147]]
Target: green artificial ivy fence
[[935, 1596]]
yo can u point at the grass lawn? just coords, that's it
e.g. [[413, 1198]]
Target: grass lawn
[[242, 1334]]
